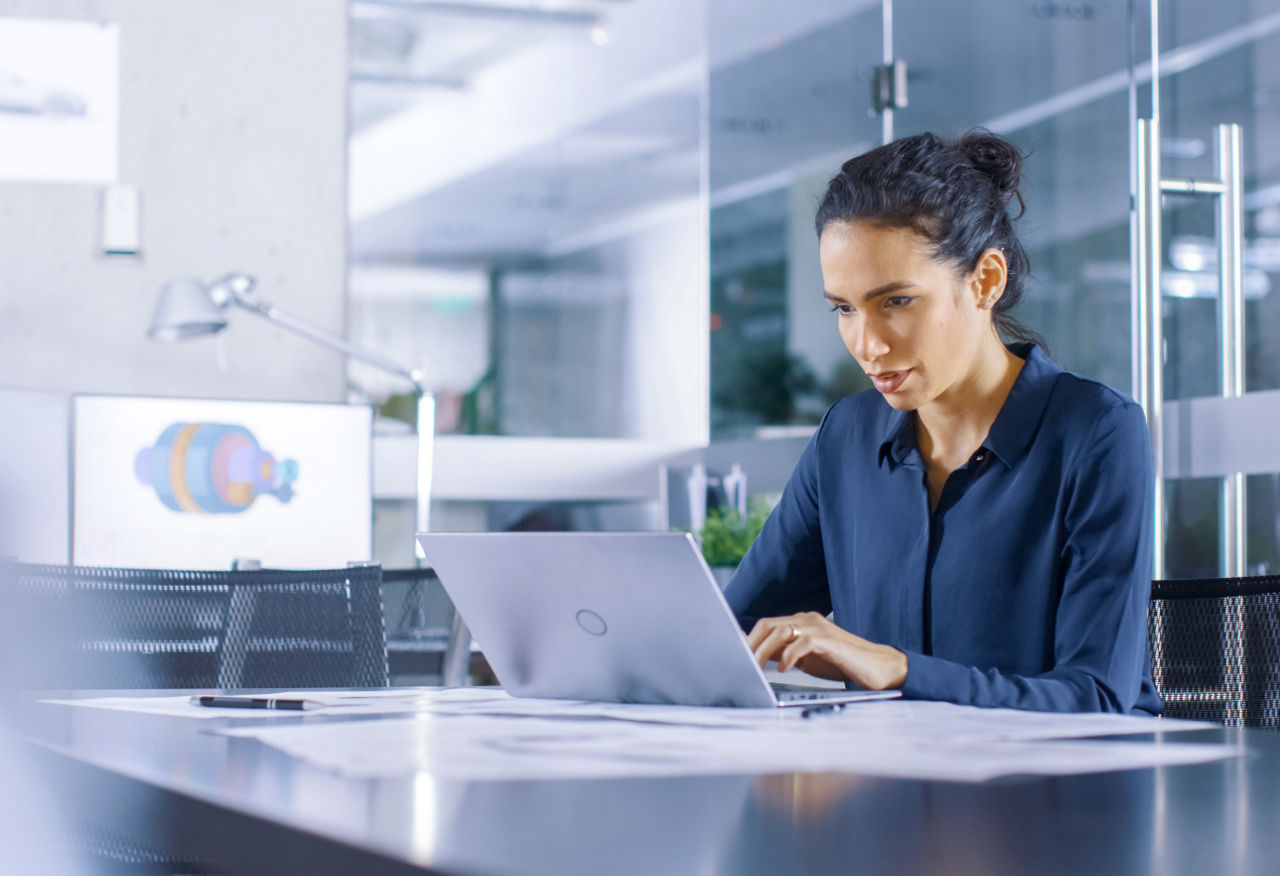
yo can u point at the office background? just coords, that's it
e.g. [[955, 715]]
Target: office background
[[589, 223]]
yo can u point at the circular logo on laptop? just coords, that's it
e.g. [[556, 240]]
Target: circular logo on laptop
[[591, 622]]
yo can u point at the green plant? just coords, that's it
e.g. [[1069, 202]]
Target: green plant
[[726, 534]]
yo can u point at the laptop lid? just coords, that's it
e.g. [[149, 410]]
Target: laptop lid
[[608, 616]]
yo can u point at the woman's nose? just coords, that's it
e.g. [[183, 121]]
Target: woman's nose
[[865, 342]]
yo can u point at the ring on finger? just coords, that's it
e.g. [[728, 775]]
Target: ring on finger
[[795, 634]]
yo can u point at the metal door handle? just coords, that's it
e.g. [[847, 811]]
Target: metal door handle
[[1148, 315], [1147, 310], [1229, 155]]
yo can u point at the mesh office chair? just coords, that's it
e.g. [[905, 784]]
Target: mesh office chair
[[420, 625], [1215, 649], [94, 627]]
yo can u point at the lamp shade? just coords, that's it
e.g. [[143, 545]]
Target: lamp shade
[[185, 310]]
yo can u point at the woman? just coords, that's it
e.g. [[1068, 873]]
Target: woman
[[978, 524]]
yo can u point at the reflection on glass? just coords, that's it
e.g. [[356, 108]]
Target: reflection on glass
[[1076, 230], [1235, 83], [560, 355], [1263, 546], [789, 101], [1193, 509]]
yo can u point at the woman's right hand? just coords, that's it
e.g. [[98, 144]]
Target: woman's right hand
[[813, 644]]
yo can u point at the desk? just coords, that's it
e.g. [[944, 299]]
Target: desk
[[251, 808]]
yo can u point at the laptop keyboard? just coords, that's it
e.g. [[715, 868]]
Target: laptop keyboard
[[787, 693]]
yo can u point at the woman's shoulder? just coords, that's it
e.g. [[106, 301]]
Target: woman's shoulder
[[1076, 394], [1084, 410], [1067, 392]]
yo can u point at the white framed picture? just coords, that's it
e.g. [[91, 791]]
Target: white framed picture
[[59, 100], [196, 484]]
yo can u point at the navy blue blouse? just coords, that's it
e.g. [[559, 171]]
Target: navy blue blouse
[[1025, 588]]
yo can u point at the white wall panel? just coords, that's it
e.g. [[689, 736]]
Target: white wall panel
[[233, 130]]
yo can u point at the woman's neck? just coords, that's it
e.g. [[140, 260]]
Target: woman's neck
[[954, 425]]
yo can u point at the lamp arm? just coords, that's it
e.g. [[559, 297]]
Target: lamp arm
[[246, 300], [237, 289], [426, 402]]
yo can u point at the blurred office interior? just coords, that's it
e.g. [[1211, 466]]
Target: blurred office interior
[[550, 264], [588, 224]]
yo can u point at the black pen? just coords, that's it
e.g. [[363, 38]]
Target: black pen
[[255, 703], [809, 711]]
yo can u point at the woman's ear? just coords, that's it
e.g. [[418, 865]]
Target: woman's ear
[[988, 277]]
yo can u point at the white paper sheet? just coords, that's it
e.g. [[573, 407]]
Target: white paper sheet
[[485, 734], [926, 720], [492, 747]]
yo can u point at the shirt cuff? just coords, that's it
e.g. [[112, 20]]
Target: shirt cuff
[[932, 678]]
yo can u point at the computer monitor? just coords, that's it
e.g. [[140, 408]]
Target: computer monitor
[[196, 483]]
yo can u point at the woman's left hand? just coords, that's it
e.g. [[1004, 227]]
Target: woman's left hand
[[817, 646]]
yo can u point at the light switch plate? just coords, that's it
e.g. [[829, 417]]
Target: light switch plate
[[120, 221]]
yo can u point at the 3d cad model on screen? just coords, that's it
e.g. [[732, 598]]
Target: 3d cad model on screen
[[212, 468]]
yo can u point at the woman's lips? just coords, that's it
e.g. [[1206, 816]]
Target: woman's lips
[[889, 381]]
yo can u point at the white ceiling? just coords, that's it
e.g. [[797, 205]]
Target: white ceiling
[[403, 49]]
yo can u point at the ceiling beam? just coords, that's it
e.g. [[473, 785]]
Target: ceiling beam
[[487, 11]]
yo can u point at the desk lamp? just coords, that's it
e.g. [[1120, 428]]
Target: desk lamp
[[187, 308]]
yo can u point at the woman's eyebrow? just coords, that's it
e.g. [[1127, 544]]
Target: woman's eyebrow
[[879, 291]]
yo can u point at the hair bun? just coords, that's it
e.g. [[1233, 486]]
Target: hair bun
[[996, 157]]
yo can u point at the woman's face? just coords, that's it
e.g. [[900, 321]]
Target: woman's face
[[916, 328]]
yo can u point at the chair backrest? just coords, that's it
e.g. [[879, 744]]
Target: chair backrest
[[420, 625], [312, 628], [1215, 649], [423, 609], [94, 627]]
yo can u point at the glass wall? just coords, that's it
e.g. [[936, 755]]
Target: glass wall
[[783, 119], [528, 216], [528, 226]]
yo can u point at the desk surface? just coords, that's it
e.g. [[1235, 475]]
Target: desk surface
[[248, 807]]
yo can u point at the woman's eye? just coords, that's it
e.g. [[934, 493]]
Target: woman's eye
[[842, 309], [898, 300]]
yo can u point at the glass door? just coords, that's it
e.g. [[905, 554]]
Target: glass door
[[1207, 237], [1070, 84]]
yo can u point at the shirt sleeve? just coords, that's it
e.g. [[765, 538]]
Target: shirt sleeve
[[785, 569], [1100, 631]]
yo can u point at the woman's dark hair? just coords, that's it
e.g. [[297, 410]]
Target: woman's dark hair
[[956, 193]]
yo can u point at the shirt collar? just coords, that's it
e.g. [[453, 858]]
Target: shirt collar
[[899, 438], [1010, 435]]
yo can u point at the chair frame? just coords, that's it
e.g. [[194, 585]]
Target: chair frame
[[1232, 693]]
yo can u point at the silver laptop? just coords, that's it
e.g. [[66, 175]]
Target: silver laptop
[[607, 616]]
